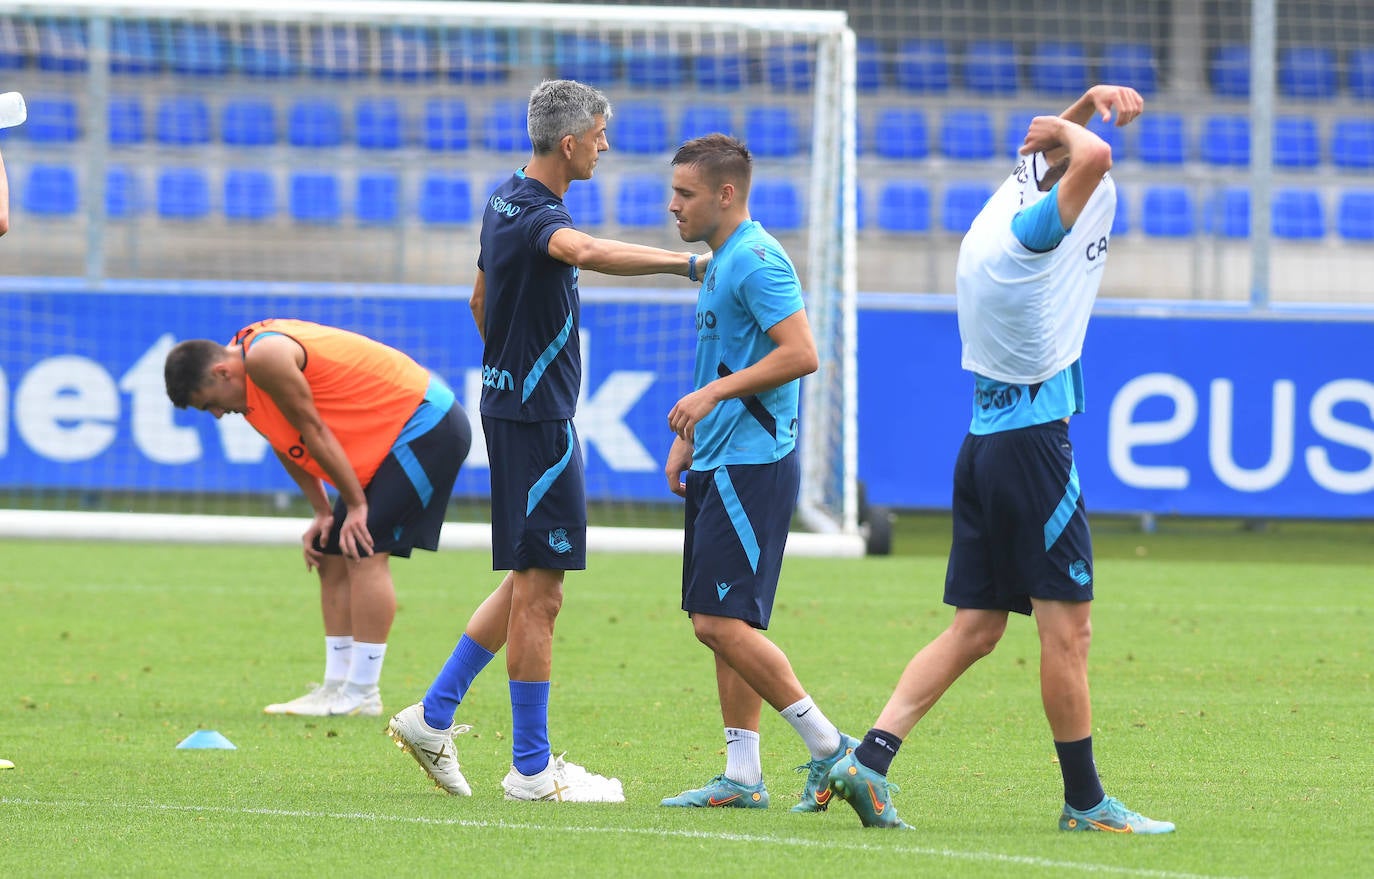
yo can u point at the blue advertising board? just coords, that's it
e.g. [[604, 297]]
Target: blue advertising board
[[1190, 414]]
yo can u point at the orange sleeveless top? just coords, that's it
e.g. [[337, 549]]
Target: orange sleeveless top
[[364, 391]]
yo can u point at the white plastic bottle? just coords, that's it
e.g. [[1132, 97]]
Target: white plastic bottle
[[12, 109]]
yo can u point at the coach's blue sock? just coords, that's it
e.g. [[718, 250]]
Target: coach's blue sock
[[1082, 787], [529, 708], [449, 688]]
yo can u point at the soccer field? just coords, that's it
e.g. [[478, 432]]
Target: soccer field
[[1231, 674]]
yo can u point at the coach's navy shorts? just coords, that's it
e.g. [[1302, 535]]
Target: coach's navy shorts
[[736, 529], [538, 495], [410, 491], [1020, 527]]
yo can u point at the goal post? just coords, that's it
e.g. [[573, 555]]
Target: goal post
[[219, 162]]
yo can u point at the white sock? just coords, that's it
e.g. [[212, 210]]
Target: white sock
[[821, 737], [742, 756], [338, 653], [366, 668]]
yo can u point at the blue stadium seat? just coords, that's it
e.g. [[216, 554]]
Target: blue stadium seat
[[860, 208], [248, 122], [1352, 143], [126, 121], [1298, 214], [378, 201], [183, 194], [51, 191], [478, 56], [1225, 140], [1360, 74], [869, 73], [583, 201], [777, 205], [62, 46], [1167, 211], [135, 48], [719, 65], [1228, 213], [314, 122], [183, 121], [904, 206], [772, 132], [990, 68], [1355, 215], [1059, 68], [585, 58], [699, 119], [506, 126], [1229, 71], [315, 198], [123, 195], [446, 124], [923, 67], [1297, 143], [652, 62], [377, 123], [790, 67], [901, 133], [249, 195], [53, 120], [336, 52], [267, 51], [1162, 139], [1132, 64], [967, 135], [1112, 134], [406, 54], [1121, 217], [1307, 72], [197, 49], [642, 202], [640, 127], [961, 203], [13, 51], [445, 198]]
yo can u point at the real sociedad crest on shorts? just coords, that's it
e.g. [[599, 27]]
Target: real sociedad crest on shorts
[[558, 541]]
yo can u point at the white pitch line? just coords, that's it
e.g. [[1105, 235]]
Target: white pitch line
[[991, 857]]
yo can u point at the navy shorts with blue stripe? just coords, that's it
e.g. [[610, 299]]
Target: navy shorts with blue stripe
[[409, 493], [1020, 526], [736, 527], [538, 495]]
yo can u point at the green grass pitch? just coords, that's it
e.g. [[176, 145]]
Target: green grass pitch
[[1231, 673]]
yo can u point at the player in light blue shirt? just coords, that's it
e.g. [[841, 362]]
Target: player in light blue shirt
[[1028, 272], [735, 441]]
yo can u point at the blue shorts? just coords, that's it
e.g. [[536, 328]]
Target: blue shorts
[[1020, 527], [736, 530], [538, 495], [409, 493]]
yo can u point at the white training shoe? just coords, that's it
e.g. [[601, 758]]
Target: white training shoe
[[316, 703], [433, 749], [359, 703], [563, 782]]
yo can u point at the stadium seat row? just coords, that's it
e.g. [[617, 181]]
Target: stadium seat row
[[384, 123], [647, 60], [902, 206]]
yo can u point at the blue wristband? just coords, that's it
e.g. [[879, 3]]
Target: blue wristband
[[692, 268]]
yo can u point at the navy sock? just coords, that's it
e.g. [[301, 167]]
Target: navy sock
[[529, 708], [877, 750], [449, 688], [1082, 787]]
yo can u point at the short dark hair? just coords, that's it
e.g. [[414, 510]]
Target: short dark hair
[[724, 159], [187, 368]]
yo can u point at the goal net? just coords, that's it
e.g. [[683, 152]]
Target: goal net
[[189, 167]]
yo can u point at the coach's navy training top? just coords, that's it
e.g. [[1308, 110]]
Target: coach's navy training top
[[531, 365]]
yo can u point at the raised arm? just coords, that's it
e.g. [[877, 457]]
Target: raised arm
[[611, 257]]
